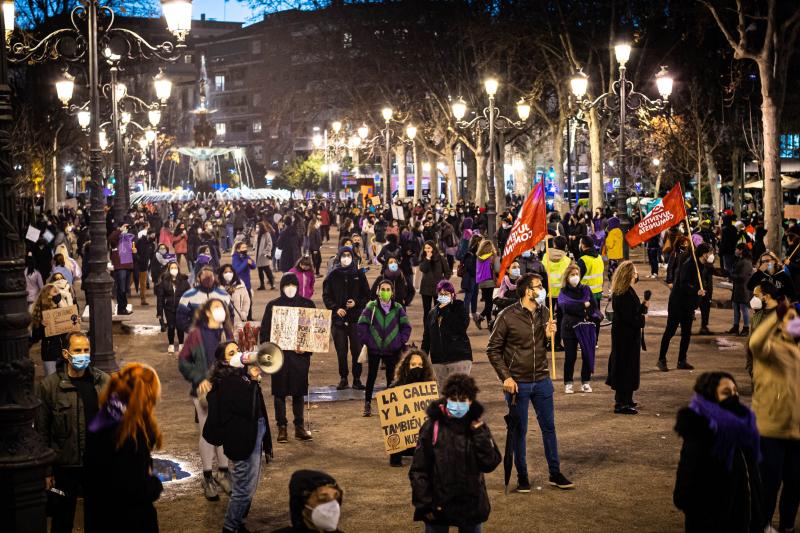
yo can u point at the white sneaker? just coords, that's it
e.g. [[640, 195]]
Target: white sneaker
[[568, 389], [586, 388], [171, 349], [180, 347]]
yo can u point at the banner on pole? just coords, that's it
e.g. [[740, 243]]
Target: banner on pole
[[668, 213], [528, 230]]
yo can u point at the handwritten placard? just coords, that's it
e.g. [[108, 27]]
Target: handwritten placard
[[301, 329], [401, 413], [61, 320]]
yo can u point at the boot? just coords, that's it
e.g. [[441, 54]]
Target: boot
[[733, 331], [745, 332], [282, 434], [342, 384], [300, 433], [357, 385], [367, 409]]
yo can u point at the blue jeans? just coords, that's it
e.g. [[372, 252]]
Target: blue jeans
[[431, 528], [743, 311], [473, 299], [244, 481], [540, 394], [229, 236]]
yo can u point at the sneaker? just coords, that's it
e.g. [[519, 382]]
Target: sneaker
[[367, 410], [210, 489], [662, 365], [558, 480], [586, 388], [568, 388], [170, 349], [180, 347], [342, 384], [683, 365], [223, 480], [357, 385], [523, 486], [745, 332]]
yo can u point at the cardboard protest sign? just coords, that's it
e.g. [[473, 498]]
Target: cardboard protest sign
[[301, 329], [398, 213], [61, 320], [401, 413], [376, 201]]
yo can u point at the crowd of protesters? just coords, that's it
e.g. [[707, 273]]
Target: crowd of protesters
[[196, 261]]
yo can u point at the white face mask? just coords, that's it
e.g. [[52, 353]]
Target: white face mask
[[326, 515], [541, 294], [219, 314], [514, 272], [173, 272], [227, 276], [574, 280], [290, 291], [346, 261], [756, 303], [710, 259]]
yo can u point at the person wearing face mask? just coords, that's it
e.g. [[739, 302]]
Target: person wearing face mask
[[487, 267], [414, 367], [393, 273], [292, 378], [180, 243], [717, 485], [766, 298], [171, 286], [518, 355], [446, 339], [238, 422], [740, 294], [776, 403], [591, 268], [69, 401], [206, 289], [345, 292], [577, 304], [683, 300], [727, 243], [49, 298], [211, 327], [769, 268], [384, 329], [240, 296], [509, 283], [158, 265], [314, 503], [555, 263], [454, 451], [677, 256], [304, 270]]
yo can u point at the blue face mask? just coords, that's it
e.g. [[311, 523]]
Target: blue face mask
[[526, 253], [393, 267], [80, 361], [457, 409], [443, 299]]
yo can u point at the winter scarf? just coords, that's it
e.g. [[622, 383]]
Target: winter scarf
[[565, 299], [110, 414], [731, 431]]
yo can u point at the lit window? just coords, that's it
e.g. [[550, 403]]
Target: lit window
[[256, 126], [790, 146], [219, 82], [220, 127]]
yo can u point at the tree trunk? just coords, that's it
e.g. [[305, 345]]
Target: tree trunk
[[558, 166], [713, 175], [499, 175], [386, 163], [596, 161], [737, 176], [452, 176], [417, 174], [472, 174], [402, 166], [480, 159], [773, 193]]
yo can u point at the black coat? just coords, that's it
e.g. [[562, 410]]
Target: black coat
[[683, 299], [289, 245], [713, 498], [433, 272], [292, 378], [445, 339], [624, 363], [343, 284], [52, 347], [235, 403], [447, 476], [402, 294], [145, 248], [168, 295], [120, 490]]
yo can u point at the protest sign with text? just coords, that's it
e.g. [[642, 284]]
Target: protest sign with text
[[301, 329], [61, 320], [401, 412]]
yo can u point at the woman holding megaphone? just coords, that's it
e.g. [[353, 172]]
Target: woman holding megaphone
[[292, 378]]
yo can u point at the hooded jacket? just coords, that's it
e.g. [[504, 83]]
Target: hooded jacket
[[384, 334], [449, 463], [342, 284], [301, 485]]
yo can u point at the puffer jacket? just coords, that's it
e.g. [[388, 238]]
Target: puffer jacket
[[776, 381], [168, 295], [449, 463], [60, 418], [445, 339], [516, 347]]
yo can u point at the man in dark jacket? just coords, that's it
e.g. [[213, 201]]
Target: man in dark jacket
[[683, 300], [69, 401], [727, 243], [517, 352], [345, 292]]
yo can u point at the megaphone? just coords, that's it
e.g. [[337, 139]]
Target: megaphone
[[269, 358]]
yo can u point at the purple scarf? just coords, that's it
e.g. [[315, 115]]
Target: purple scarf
[[110, 414], [565, 299], [731, 431]]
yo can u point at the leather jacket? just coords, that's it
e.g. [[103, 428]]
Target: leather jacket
[[517, 345]]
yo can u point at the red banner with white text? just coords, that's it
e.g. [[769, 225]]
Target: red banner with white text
[[529, 228], [668, 213]]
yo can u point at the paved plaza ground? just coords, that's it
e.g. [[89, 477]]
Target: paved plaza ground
[[623, 466]]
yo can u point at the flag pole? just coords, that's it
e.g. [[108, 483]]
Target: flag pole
[[691, 242], [550, 306]]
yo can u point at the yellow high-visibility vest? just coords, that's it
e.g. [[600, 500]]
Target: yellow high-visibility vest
[[555, 271], [594, 273]]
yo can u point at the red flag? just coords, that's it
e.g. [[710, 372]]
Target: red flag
[[529, 228], [669, 212]]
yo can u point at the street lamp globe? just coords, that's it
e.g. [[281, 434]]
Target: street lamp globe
[[103, 139], [334, 167], [163, 86], [459, 108], [491, 84], [64, 88], [523, 109], [387, 113], [150, 135], [178, 14], [120, 90], [363, 131], [411, 131], [324, 167], [154, 116], [622, 51], [656, 162], [579, 84], [316, 140], [8, 16], [67, 168], [142, 143], [84, 118], [664, 83], [125, 118], [426, 167], [337, 126]]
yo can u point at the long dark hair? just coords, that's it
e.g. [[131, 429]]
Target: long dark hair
[[434, 256], [403, 366], [222, 269], [707, 383]]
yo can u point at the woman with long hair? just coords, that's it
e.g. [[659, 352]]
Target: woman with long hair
[[33, 279], [414, 367], [624, 363], [120, 485], [305, 276], [314, 236], [434, 269], [240, 296], [576, 304], [170, 288], [211, 323]]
